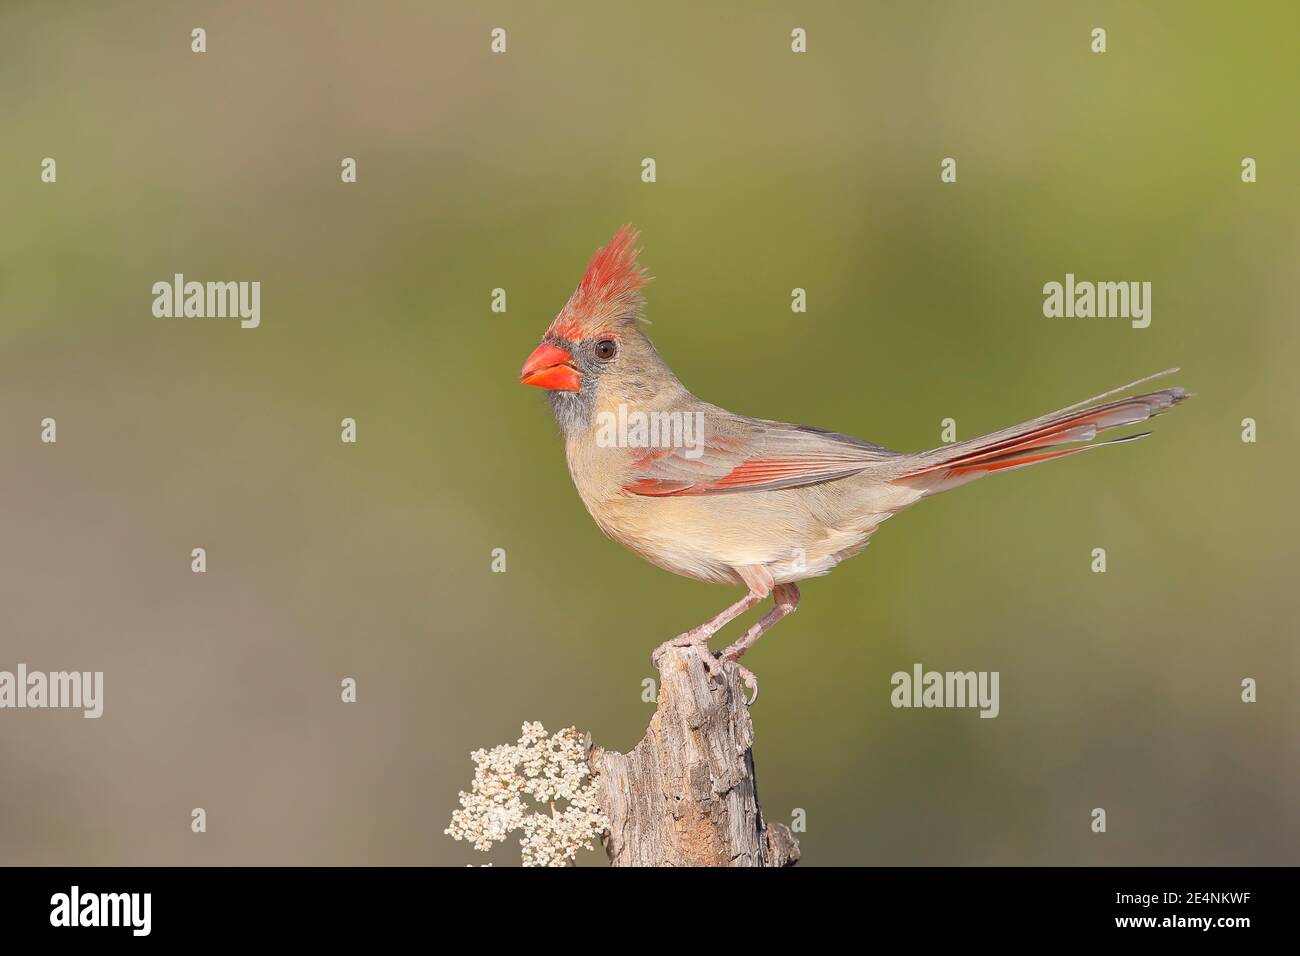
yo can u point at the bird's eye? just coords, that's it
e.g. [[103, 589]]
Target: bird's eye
[[606, 349]]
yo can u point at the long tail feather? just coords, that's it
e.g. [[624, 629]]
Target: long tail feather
[[1040, 439]]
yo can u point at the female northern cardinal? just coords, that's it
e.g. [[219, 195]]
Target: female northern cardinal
[[705, 493]]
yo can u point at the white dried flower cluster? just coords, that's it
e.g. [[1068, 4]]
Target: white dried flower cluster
[[514, 787]]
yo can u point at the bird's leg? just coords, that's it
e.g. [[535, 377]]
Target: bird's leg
[[755, 577], [700, 635], [787, 599]]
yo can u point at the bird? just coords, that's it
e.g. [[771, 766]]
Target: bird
[[748, 502]]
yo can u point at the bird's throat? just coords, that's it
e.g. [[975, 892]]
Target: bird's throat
[[575, 411]]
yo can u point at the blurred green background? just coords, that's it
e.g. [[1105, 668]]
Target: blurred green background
[[775, 170]]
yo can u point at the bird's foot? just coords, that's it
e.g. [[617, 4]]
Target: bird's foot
[[713, 660], [750, 681], [747, 677], [692, 638]]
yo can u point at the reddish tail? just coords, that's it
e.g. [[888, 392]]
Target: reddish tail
[[1042, 439]]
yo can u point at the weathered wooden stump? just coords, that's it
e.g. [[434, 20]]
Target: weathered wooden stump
[[686, 794]]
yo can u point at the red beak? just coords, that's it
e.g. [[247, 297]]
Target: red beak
[[550, 367]]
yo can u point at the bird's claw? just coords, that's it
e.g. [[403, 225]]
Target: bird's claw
[[750, 681], [713, 660], [746, 675]]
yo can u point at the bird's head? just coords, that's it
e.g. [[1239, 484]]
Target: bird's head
[[595, 346]]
